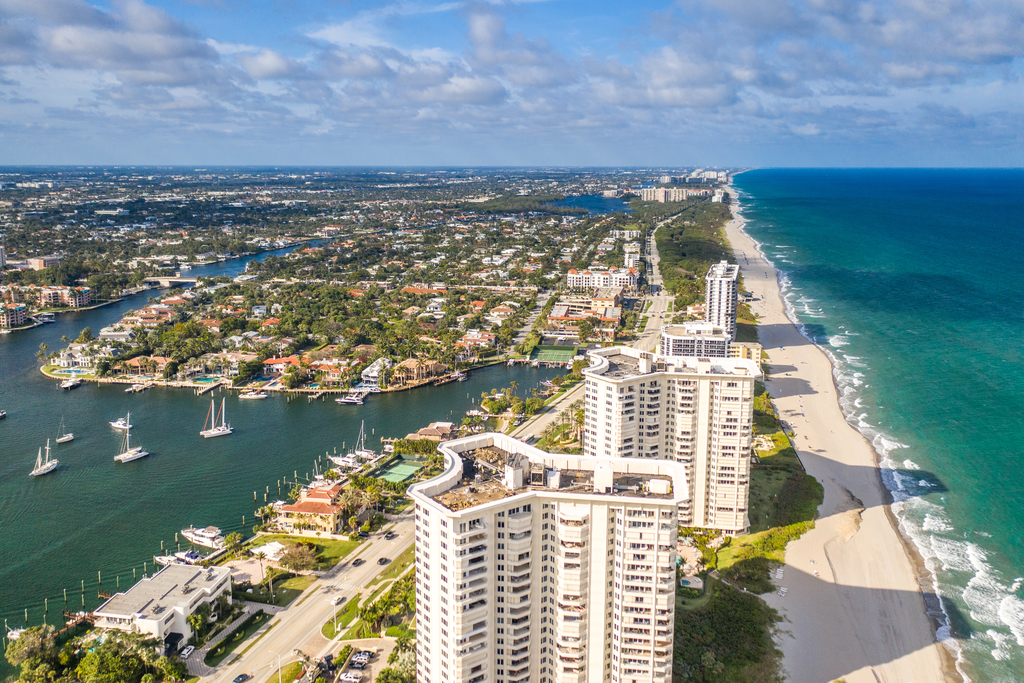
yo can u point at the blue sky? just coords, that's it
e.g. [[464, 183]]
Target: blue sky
[[446, 82]]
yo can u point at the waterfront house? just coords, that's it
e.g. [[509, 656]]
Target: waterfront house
[[415, 369], [315, 510], [159, 606], [277, 366]]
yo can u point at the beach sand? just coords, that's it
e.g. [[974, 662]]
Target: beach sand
[[863, 617]]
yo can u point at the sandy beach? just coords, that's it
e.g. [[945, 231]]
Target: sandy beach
[[854, 608]]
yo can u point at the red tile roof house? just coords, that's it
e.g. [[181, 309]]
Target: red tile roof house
[[277, 366], [315, 510]]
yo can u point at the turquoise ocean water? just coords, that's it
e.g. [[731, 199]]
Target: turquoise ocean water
[[911, 281]]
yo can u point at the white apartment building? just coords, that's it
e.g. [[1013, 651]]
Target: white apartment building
[[696, 340], [546, 568], [159, 606], [721, 294], [631, 254], [590, 279], [696, 411]]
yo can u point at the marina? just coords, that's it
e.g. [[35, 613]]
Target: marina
[[128, 511]]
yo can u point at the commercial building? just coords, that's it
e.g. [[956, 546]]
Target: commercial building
[[160, 606], [696, 411], [698, 340], [546, 568], [721, 294], [40, 262]]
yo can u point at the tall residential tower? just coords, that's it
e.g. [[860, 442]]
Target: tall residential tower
[[696, 411], [721, 296], [543, 567]]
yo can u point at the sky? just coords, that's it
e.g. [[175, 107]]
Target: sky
[[504, 83]]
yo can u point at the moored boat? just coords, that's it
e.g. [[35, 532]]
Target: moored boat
[[222, 429], [70, 384], [63, 435], [184, 557], [122, 422], [208, 537], [253, 395], [128, 453], [44, 465]]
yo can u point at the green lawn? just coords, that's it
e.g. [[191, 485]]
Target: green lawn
[[328, 551], [284, 592], [347, 613], [397, 566], [289, 673], [229, 644]]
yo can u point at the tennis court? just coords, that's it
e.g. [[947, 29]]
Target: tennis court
[[553, 354], [398, 469]]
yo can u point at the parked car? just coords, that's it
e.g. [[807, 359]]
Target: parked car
[[357, 665], [364, 534], [187, 651]]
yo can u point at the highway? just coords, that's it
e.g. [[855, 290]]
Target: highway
[[293, 627]]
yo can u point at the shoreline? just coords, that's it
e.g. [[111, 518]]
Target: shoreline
[[879, 605]]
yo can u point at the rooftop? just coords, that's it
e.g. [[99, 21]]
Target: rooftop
[[174, 585], [490, 473]]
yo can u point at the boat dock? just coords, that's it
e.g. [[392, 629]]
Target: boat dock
[[210, 387]]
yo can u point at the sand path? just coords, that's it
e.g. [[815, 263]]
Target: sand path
[[863, 617]]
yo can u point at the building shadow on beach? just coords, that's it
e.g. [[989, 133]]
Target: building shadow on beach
[[831, 643]]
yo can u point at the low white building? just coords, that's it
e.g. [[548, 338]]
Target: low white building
[[373, 373], [159, 606]]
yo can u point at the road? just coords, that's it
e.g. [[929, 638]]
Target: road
[[647, 341], [303, 620]]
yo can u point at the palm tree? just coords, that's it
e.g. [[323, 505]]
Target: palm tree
[[261, 556]]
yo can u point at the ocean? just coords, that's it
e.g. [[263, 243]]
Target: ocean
[[910, 280]]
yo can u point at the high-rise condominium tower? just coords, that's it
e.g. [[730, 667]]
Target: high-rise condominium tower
[[695, 411], [721, 294], [543, 567]]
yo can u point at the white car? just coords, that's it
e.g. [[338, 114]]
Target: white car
[[187, 651], [337, 600]]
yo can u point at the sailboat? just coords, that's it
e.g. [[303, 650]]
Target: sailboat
[[360, 450], [44, 466], [222, 429], [63, 435], [127, 452]]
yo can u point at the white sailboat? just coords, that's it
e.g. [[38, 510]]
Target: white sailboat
[[222, 429], [44, 466], [360, 450], [63, 435], [128, 453], [122, 422]]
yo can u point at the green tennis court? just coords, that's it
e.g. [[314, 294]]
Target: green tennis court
[[398, 469], [553, 354]]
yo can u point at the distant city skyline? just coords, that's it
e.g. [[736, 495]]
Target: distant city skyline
[[725, 83]]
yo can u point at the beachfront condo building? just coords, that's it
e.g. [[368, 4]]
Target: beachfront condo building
[[700, 340], [546, 568], [721, 294], [696, 411]]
